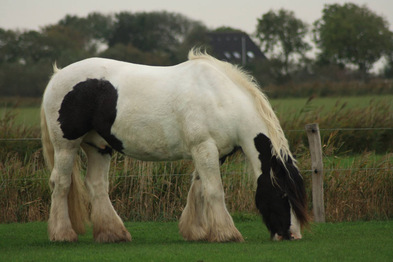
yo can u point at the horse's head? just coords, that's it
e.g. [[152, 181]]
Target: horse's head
[[281, 196], [276, 204]]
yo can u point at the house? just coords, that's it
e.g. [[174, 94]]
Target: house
[[234, 47]]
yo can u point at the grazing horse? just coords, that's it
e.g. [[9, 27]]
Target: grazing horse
[[201, 109]]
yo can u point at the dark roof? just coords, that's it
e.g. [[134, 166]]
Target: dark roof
[[235, 47]]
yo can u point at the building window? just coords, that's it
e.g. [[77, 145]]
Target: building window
[[250, 55], [227, 55], [236, 55]]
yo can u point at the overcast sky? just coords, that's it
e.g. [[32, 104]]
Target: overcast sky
[[241, 14]]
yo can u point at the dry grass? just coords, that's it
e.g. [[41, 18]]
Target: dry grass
[[146, 191], [24, 189], [158, 191], [363, 191]]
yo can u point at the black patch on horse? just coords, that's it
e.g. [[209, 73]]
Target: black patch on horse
[[91, 105]]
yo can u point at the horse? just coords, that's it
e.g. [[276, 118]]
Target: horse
[[202, 109]]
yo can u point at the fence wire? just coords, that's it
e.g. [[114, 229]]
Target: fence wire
[[190, 174], [289, 130], [20, 139], [232, 173]]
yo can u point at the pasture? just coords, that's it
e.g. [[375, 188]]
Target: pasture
[[160, 241], [27, 110]]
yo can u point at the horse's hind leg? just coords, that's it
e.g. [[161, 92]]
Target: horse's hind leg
[[206, 198], [59, 223], [107, 225]]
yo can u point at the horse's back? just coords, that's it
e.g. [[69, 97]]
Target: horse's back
[[158, 111]]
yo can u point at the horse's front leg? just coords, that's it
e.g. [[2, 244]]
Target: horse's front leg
[[206, 210], [192, 224], [107, 225]]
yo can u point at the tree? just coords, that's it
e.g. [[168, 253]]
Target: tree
[[152, 32], [65, 44], [283, 31], [9, 46], [97, 28], [352, 34], [196, 37], [388, 69], [129, 53]]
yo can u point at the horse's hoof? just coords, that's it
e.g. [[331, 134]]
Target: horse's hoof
[[112, 237], [193, 233], [235, 236], [69, 236]]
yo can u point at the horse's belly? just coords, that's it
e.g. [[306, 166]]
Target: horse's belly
[[151, 142], [154, 150]]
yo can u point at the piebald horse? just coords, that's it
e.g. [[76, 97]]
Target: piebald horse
[[201, 109]]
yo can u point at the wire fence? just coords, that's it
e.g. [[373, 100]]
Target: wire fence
[[365, 169], [303, 171], [289, 130]]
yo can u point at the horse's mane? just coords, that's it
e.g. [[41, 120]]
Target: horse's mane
[[241, 78]]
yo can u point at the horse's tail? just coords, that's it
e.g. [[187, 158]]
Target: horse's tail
[[77, 196]]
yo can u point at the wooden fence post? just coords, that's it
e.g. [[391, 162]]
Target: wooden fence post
[[314, 139]]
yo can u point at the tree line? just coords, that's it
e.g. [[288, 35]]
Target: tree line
[[349, 40]]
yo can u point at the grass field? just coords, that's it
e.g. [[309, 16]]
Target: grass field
[[28, 114], [358, 241], [288, 105]]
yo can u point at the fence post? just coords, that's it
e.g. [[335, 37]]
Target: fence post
[[314, 139]]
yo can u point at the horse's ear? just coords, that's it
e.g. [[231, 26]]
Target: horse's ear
[[55, 68], [264, 147]]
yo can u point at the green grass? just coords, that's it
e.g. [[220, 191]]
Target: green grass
[[29, 114], [152, 241], [327, 103], [349, 161]]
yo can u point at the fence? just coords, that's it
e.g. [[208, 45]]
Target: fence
[[314, 139], [316, 167]]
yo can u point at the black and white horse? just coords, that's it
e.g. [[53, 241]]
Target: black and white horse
[[201, 109]]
